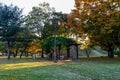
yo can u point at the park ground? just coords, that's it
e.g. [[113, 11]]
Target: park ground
[[96, 68]]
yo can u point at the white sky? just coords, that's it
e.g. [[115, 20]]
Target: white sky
[[60, 5]]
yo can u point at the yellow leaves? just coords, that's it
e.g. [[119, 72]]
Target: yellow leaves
[[110, 31], [103, 31], [107, 26], [34, 47], [83, 47], [78, 3], [100, 19], [106, 31], [86, 26]]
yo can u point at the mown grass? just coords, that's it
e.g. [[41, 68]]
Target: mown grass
[[82, 69]]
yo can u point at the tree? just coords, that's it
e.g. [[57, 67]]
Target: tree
[[38, 21], [99, 20], [62, 29], [23, 40], [37, 18], [48, 29], [48, 44], [10, 22]]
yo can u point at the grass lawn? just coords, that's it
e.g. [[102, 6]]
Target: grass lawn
[[82, 69]]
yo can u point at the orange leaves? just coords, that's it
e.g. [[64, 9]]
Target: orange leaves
[[99, 19], [78, 3]]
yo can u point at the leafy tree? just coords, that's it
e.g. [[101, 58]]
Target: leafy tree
[[48, 44], [48, 29], [62, 29], [99, 20], [38, 21], [24, 39], [37, 18], [10, 22]]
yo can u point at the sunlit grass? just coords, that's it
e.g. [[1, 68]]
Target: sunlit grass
[[26, 65], [95, 68], [16, 63]]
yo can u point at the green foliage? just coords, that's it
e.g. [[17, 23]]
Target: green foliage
[[10, 22], [48, 43], [2, 47], [47, 30], [39, 15], [23, 39], [38, 21], [25, 35], [116, 51], [11, 19]]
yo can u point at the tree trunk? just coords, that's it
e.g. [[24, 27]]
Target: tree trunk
[[23, 52], [77, 51], [42, 55], [119, 51], [8, 49], [34, 56], [2, 54], [68, 52], [87, 53], [50, 56], [110, 53], [15, 53], [59, 47], [26, 54]]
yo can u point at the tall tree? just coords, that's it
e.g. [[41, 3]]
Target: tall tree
[[99, 20], [10, 21], [48, 29], [37, 18]]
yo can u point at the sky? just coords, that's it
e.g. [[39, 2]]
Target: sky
[[60, 5]]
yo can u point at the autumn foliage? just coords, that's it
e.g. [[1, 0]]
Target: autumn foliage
[[99, 20]]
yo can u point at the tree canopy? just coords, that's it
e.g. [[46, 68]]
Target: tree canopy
[[48, 43], [37, 18], [10, 21], [99, 21]]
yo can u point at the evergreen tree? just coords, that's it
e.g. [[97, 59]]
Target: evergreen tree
[[10, 21]]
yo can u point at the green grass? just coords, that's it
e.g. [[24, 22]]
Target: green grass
[[82, 69]]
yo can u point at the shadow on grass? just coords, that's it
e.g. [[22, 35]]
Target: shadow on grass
[[48, 72], [4, 60], [83, 69], [30, 61]]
